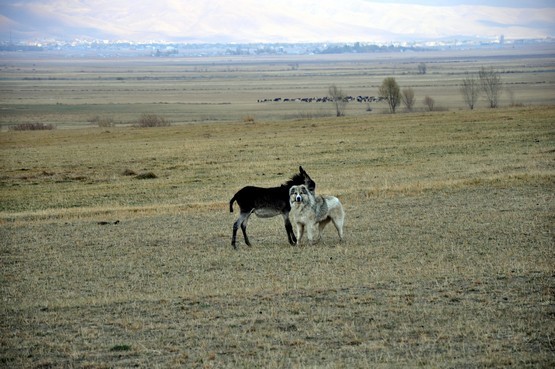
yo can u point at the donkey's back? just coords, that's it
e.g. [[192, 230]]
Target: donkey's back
[[251, 198]]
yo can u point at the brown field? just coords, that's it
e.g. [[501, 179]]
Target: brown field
[[448, 259], [72, 91]]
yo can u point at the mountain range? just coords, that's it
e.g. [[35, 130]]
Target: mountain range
[[224, 21]]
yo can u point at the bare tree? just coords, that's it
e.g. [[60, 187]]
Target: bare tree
[[422, 68], [339, 99], [470, 90], [407, 96], [490, 82], [429, 102], [390, 91]]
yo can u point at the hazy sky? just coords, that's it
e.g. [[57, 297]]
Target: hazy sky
[[274, 20]]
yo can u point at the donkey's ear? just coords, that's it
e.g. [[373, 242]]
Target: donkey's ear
[[303, 172]]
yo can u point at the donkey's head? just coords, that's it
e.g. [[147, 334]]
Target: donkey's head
[[302, 178]]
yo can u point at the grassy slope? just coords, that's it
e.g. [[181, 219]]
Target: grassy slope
[[448, 260]]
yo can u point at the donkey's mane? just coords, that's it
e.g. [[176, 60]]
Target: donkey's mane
[[296, 179]]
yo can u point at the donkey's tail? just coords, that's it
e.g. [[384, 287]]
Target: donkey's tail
[[231, 204]]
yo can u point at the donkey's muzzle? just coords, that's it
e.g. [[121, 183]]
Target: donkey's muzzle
[[298, 198]]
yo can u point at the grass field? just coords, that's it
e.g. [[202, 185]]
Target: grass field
[[449, 252], [448, 259], [70, 92]]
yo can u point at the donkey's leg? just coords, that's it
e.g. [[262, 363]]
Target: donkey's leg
[[289, 229], [244, 227], [234, 236], [240, 222]]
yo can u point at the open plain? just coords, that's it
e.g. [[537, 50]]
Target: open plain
[[72, 92], [115, 241]]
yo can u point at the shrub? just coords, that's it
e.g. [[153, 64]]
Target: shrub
[[146, 175], [429, 103], [121, 348], [248, 118], [339, 99], [103, 122], [407, 97], [152, 120], [32, 127], [128, 172]]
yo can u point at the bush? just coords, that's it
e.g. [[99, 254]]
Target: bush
[[146, 175], [248, 118], [103, 122], [429, 103], [128, 172], [407, 97], [339, 99], [152, 120], [32, 127]]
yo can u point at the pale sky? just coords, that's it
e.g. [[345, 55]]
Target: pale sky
[[274, 20]]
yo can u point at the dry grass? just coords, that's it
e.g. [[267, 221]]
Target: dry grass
[[69, 92], [448, 260]]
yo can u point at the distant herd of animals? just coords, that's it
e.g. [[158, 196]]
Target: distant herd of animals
[[360, 99], [310, 212]]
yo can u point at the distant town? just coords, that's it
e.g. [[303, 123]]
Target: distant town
[[110, 49]]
